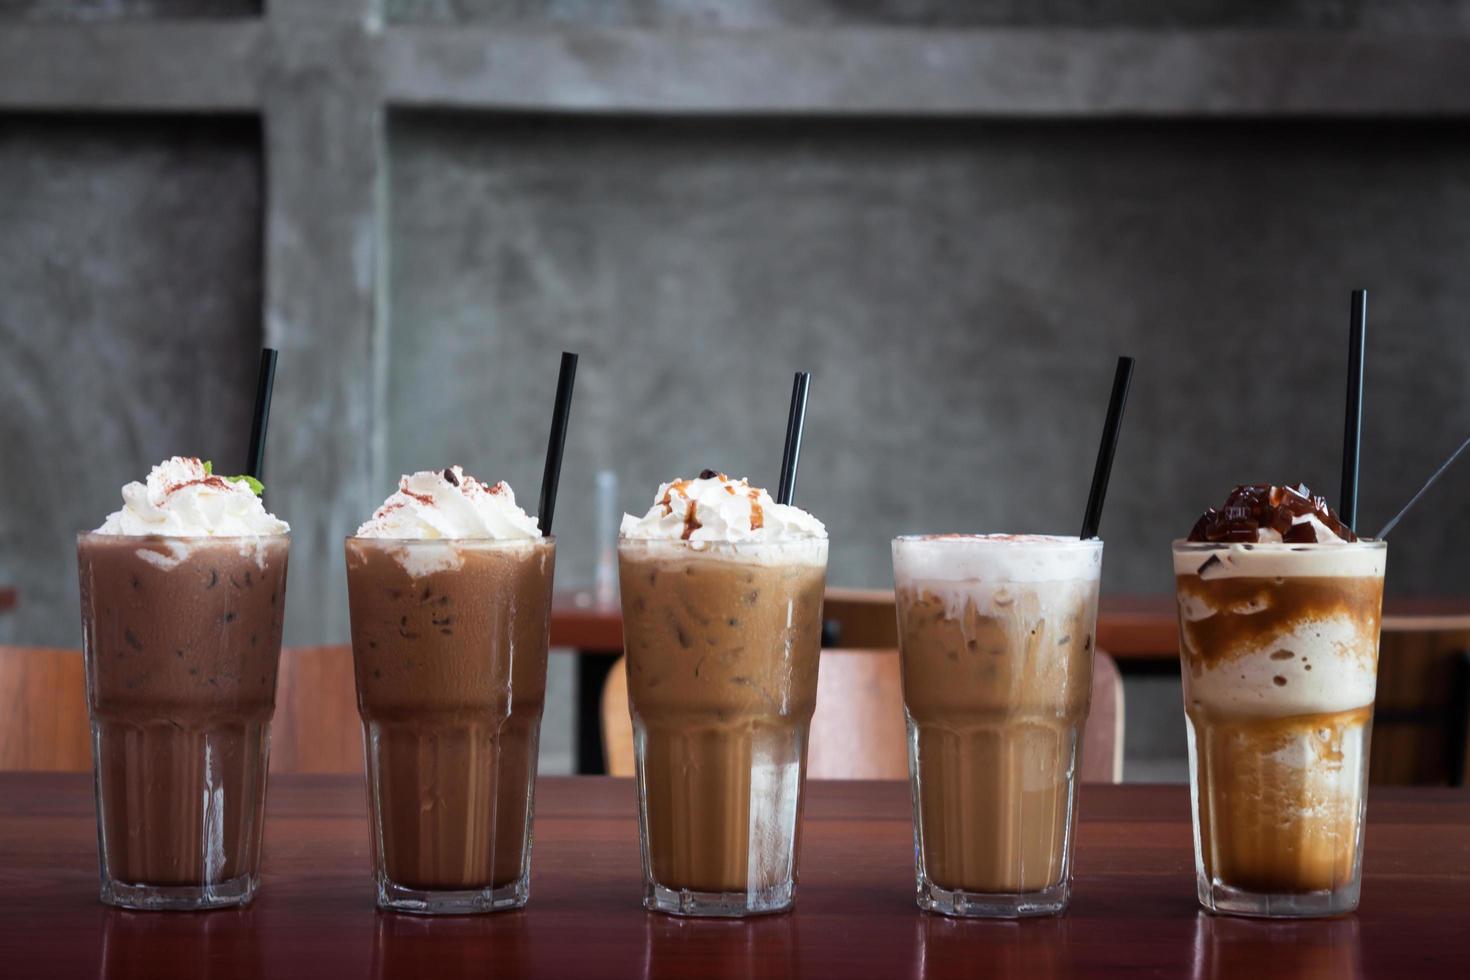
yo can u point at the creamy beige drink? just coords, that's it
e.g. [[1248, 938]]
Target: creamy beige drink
[[722, 617], [183, 595], [450, 592], [996, 640], [1279, 614]]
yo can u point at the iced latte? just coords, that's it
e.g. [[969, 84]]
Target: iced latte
[[450, 593], [722, 618], [183, 595], [996, 645], [1279, 612]]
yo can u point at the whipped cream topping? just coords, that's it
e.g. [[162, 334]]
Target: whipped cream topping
[[448, 504], [182, 499], [715, 508]]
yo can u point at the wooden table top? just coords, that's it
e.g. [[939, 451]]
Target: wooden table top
[[1133, 911]]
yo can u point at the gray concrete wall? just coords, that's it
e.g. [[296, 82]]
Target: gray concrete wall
[[958, 273], [129, 328], [1312, 14], [960, 292]]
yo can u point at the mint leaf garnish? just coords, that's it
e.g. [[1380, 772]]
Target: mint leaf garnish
[[255, 485], [209, 467]]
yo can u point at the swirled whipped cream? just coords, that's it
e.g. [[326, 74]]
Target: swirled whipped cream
[[714, 507], [184, 499], [449, 503]]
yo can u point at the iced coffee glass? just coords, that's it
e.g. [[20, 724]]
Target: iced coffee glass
[[995, 641], [723, 640], [182, 639], [1279, 650], [449, 643]]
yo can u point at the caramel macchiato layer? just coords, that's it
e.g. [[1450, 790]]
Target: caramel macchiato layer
[[1281, 645]]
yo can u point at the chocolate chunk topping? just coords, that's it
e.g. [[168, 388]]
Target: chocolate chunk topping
[[449, 475], [1252, 508], [707, 474]]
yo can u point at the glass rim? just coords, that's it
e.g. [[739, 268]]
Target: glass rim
[[1052, 542], [192, 538], [455, 542], [1277, 547], [687, 544]]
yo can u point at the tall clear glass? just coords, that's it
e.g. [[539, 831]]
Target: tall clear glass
[[996, 643], [182, 641], [723, 642], [1279, 653], [449, 643]]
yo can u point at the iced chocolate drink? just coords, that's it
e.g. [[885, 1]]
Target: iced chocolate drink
[[722, 620], [995, 641], [1279, 610], [183, 595], [450, 593]]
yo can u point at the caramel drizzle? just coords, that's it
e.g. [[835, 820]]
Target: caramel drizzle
[[757, 513], [690, 524], [678, 486]]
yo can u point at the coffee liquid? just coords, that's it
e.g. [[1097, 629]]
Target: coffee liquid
[[996, 704], [451, 684], [183, 641], [722, 681]]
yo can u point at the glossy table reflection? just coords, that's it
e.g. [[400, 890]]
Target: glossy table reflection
[[1133, 913]]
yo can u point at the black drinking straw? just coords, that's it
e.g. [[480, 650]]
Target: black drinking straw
[[1352, 426], [551, 476], [255, 460], [795, 422], [1092, 517]]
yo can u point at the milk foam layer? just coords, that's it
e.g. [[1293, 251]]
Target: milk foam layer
[[729, 518], [1342, 674], [1246, 684], [183, 500], [984, 569], [1361, 559]]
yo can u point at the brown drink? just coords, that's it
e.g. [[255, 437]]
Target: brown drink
[[1279, 646], [995, 636], [723, 640], [449, 642], [182, 638]]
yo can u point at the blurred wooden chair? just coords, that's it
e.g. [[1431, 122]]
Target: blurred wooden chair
[[43, 711], [858, 729]]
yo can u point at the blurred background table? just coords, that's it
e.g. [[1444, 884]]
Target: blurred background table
[[1133, 913], [1421, 725]]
